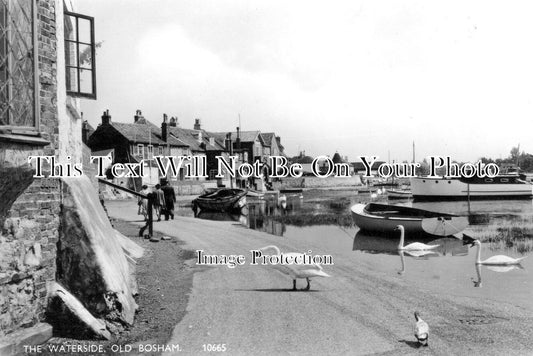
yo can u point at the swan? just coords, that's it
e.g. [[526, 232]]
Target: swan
[[297, 270], [415, 246], [499, 260], [421, 330]]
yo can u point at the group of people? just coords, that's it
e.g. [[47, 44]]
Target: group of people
[[163, 196]]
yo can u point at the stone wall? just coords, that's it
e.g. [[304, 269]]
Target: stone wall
[[28, 238]]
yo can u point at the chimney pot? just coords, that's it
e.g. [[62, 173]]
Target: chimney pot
[[197, 124], [106, 118], [173, 121]]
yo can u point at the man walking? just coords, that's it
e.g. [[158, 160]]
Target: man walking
[[170, 199], [159, 203]]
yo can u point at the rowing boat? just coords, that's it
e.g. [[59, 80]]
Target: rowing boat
[[223, 199], [375, 217]]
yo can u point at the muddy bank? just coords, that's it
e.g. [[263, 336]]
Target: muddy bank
[[164, 277]]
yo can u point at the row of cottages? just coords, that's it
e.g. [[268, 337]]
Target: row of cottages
[[141, 140]]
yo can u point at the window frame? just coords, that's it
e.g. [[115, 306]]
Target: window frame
[[78, 68], [35, 129], [140, 150]]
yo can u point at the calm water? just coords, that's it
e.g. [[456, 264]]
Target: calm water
[[321, 219]]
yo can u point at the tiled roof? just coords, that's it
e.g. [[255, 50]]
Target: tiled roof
[[268, 137], [245, 136], [146, 132], [141, 133]]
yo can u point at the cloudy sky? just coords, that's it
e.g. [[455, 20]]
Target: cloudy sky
[[360, 78]]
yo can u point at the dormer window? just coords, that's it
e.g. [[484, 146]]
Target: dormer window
[[212, 141], [80, 55]]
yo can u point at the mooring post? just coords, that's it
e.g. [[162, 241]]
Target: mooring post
[[151, 199]]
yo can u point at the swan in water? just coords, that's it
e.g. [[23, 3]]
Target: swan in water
[[297, 270], [421, 330], [499, 260], [415, 246]]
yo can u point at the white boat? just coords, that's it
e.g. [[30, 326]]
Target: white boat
[[507, 186]]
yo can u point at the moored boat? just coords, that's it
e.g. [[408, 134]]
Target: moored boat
[[399, 194], [375, 217], [506, 186], [223, 199]]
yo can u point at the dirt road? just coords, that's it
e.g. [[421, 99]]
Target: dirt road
[[358, 311]]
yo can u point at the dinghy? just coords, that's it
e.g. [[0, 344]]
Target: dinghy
[[375, 217], [223, 199]]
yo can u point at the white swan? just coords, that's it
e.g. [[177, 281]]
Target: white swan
[[415, 246], [297, 270], [421, 330], [499, 260]]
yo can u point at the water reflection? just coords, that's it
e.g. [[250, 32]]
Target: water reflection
[[498, 269], [388, 244]]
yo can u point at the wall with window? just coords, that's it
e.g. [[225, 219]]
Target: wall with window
[[37, 117]]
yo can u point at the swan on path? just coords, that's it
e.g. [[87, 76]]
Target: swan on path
[[498, 260], [421, 330], [294, 270], [415, 246]]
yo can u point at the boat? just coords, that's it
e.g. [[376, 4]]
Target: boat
[[223, 199], [505, 186], [376, 217], [399, 194]]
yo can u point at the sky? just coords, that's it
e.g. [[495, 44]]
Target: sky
[[362, 78]]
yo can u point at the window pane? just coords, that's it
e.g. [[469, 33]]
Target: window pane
[[84, 30], [70, 28], [85, 56], [71, 55], [72, 79], [86, 81]]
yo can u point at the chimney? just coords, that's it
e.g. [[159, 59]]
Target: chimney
[[197, 125], [138, 115], [238, 139], [278, 140], [106, 118], [227, 143], [173, 121], [139, 118], [85, 132], [164, 128]]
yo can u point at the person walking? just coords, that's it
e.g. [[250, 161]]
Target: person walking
[[170, 199], [159, 202], [143, 202]]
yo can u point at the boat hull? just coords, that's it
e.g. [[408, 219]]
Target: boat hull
[[399, 194], [426, 189], [229, 203], [388, 221]]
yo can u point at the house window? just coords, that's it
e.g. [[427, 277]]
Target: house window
[[212, 174], [150, 152], [19, 93], [80, 55], [160, 150], [140, 150]]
